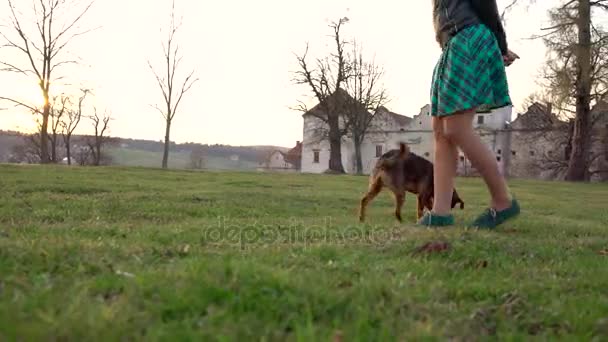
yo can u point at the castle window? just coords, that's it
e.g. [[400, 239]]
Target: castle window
[[498, 158], [426, 154], [462, 159], [499, 151], [513, 153], [315, 158], [480, 119], [531, 153], [378, 151]]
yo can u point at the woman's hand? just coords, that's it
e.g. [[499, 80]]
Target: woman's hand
[[510, 57]]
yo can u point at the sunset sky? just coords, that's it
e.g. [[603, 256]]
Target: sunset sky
[[243, 53]]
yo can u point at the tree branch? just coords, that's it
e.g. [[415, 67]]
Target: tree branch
[[21, 104]]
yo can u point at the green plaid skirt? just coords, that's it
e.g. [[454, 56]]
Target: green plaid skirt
[[470, 74]]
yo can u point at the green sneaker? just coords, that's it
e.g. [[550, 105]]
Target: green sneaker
[[431, 220], [491, 218]]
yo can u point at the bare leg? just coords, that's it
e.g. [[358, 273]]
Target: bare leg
[[459, 130], [446, 159]]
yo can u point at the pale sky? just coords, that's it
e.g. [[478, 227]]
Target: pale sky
[[243, 53]]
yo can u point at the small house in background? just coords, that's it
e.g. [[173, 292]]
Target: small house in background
[[281, 161]]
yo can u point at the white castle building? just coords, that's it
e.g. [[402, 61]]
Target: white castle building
[[387, 129]]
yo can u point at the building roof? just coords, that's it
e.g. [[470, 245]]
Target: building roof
[[537, 116], [294, 156], [402, 120], [341, 97]]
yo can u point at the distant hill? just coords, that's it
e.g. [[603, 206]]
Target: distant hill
[[148, 153]]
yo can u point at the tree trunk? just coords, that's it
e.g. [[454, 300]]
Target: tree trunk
[[54, 148], [98, 154], [44, 136], [67, 151], [167, 142], [335, 144], [579, 158], [358, 157], [95, 153]]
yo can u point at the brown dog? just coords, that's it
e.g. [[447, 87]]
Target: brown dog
[[401, 170]]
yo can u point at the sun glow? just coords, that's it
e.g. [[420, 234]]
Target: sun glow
[[18, 112]]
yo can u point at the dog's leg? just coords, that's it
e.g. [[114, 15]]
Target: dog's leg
[[427, 201], [374, 189], [420, 207], [399, 200]]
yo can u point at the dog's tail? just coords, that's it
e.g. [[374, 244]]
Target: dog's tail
[[404, 150]]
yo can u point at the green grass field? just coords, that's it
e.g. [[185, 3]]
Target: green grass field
[[133, 254]]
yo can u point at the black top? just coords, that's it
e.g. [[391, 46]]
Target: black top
[[451, 16]]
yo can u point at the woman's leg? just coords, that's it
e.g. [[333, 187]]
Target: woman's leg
[[458, 129], [445, 164]]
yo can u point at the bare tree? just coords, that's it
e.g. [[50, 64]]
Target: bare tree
[[544, 128], [96, 142], [82, 155], [577, 73], [24, 153], [366, 96], [173, 91], [70, 123], [58, 109], [325, 80], [42, 45], [32, 141], [577, 76]]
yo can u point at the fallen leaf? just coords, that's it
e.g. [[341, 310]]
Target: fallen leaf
[[432, 247], [338, 336]]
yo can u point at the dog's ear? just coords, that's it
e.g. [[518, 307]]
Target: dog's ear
[[404, 150]]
